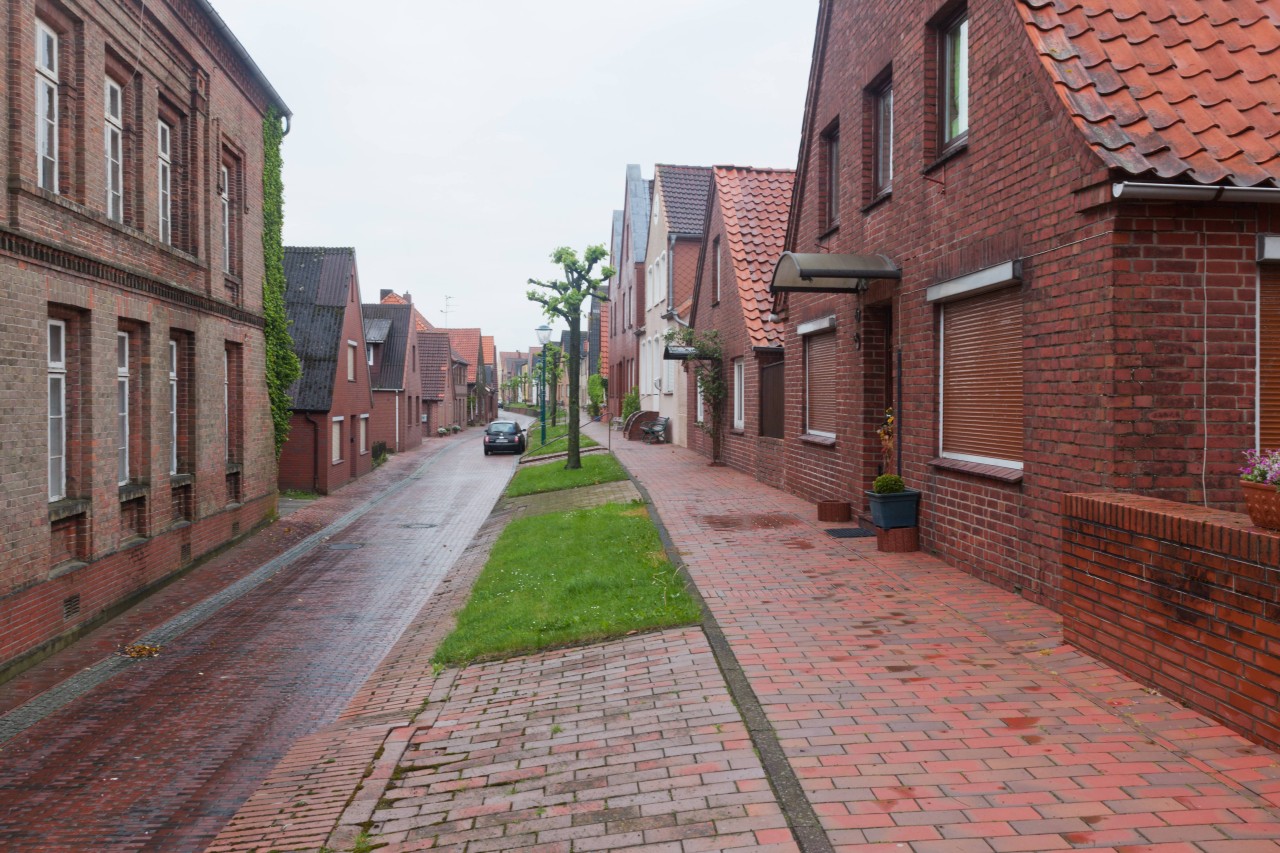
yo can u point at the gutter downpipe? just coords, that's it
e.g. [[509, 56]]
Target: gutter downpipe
[[315, 451], [1186, 192]]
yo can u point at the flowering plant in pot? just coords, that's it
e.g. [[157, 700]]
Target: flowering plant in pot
[[1260, 478], [892, 503]]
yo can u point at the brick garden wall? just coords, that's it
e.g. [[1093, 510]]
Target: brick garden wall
[[1179, 597]]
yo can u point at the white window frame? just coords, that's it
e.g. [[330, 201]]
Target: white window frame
[[955, 80], [122, 407], [368, 354], [805, 331], [173, 407], [351, 361], [47, 107], [882, 169], [226, 402], [113, 141], [164, 178], [57, 375], [224, 197], [335, 440], [739, 394], [668, 376], [701, 406], [364, 434]]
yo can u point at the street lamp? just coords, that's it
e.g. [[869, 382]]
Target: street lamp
[[544, 335]]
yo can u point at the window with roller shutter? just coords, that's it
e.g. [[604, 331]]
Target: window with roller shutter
[[982, 393], [819, 384], [1269, 360]]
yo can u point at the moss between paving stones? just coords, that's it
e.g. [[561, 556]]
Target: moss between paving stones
[[567, 578]]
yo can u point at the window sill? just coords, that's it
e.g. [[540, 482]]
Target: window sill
[[954, 149], [234, 467], [179, 480], [830, 231], [67, 508], [978, 469], [337, 462], [133, 491], [738, 431], [66, 567], [819, 440], [878, 200]]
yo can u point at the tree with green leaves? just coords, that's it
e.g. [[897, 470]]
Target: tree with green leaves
[[555, 372], [565, 299]]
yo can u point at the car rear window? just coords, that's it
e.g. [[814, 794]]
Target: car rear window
[[504, 428]]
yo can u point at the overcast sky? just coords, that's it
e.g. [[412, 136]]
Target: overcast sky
[[455, 144]]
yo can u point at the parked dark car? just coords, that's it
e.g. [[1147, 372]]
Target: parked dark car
[[503, 435]]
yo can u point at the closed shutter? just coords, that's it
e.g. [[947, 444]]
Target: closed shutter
[[1269, 360], [772, 400], [820, 373], [982, 413]]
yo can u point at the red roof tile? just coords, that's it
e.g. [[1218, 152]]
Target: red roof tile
[[1172, 88], [467, 343], [394, 299], [755, 204], [490, 350]]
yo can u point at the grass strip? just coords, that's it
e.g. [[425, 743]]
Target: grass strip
[[566, 578], [552, 477], [556, 441]]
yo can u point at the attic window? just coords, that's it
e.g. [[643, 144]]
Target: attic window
[[368, 353], [953, 98]]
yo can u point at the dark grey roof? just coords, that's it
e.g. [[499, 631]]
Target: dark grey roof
[[638, 206], [684, 196], [375, 331], [315, 299], [396, 319], [616, 246]]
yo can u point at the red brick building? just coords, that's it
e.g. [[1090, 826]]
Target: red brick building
[[467, 345], [391, 351], [330, 440], [131, 286], [746, 225], [1039, 232], [626, 290]]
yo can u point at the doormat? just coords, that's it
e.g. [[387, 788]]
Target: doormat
[[850, 532]]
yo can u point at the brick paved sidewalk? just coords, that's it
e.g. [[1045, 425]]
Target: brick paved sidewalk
[[923, 709]]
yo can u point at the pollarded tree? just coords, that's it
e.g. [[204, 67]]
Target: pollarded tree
[[565, 299]]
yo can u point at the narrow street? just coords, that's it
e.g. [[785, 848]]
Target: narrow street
[[160, 754]]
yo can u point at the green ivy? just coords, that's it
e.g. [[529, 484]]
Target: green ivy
[[283, 367]]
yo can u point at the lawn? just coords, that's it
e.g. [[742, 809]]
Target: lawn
[[566, 578], [556, 442], [552, 476]]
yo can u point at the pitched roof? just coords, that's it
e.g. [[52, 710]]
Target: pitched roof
[[390, 376], [684, 196], [638, 205], [433, 363], [467, 343], [755, 205], [375, 331], [317, 281], [1174, 88], [489, 349], [394, 299]]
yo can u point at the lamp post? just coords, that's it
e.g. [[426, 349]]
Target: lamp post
[[544, 335]]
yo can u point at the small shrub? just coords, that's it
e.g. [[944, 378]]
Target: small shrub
[[456, 428], [442, 431], [630, 403], [888, 484]]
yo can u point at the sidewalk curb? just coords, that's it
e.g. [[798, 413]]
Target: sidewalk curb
[[799, 812]]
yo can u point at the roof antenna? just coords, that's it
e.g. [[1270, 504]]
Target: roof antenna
[[448, 306]]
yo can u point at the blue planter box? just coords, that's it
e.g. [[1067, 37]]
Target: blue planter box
[[898, 509]]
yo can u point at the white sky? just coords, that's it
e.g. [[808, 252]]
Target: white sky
[[456, 143]]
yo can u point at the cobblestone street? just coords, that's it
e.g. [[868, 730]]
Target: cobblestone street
[[161, 753]]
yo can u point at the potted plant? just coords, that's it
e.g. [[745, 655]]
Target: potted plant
[[1260, 479], [893, 505]]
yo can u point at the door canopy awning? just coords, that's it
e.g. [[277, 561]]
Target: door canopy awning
[[808, 273]]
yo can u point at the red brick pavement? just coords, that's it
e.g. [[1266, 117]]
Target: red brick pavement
[[923, 709]]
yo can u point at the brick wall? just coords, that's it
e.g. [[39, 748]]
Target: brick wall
[[1179, 597]]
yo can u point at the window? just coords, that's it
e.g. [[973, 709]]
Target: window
[[981, 374], [1269, 359], [882, 142], [351, 361], [739, 394], [57, 370], [164, 157], [173, 407], [831, 177], [113, 108], [46, 107], [224, 197], [233, 399], [226, 401], [368, 354], [364, 434], [954, 97], [122, 407], [701, 405], [335, 441], [716, 271], [820, 377]]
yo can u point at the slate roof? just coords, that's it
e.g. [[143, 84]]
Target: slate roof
[[375, 331], [638, 206], [467, 343], [317, 280], [755, 205], [396, 320], [433, 363], [684, 196], [1184, 89]]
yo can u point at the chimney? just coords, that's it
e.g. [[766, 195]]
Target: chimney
[[383, 294], [408, 297]]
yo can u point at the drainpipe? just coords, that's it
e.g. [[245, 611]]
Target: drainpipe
[[1187, 192], [315, 451], [397, 422]]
